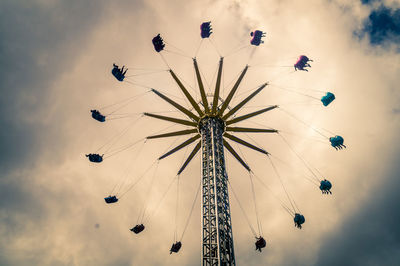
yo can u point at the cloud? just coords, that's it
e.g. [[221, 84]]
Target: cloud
[[366, 2], [39, 41], [370, 236], [57, 58], [382, 26]]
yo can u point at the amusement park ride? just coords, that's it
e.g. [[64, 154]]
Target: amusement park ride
[[211, 126]]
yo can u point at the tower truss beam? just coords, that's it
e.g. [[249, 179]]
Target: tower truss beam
[[217, 243]]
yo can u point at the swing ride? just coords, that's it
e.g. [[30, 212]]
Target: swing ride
[[210, 125]]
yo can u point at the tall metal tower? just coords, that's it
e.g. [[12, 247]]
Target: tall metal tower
[[211, 127]]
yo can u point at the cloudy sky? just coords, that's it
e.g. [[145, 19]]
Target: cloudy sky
[[56, 58]]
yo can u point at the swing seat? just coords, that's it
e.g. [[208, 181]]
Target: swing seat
[[98, 116], [336, 141], [175, 247], [95, 158], [138, 228], [158, 43], [111, 199], [257, 35], [260, 243], [301, 63], [328, 98], [298, 220], [205, 28], [325, 185], [117, 73]]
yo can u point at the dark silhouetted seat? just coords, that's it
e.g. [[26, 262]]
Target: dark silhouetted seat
[[302, 63], [257, 35], [158, 43], [118, 73], [206, 29], [98, 116], [325, 187], [175, 247], [94, 157], [298, 220], [260, 243], [138, 228], [337, 142], [111, 199]]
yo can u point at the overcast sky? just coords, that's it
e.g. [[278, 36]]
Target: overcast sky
[[56, 57]]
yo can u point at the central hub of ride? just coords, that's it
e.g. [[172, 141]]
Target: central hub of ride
[[206, 120]]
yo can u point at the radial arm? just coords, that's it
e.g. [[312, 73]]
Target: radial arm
[[190, 157], [177, 148], [247, 116], [171, 119], [217, 86], [187, 94], [232, 92], [201, 87], [234, 153], [173, 134], [250, 130], [242, 103], [245, 143], [176, 105]]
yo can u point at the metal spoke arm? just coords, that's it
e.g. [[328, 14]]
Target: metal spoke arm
[[234, 153], [232, 92], [177, 148], [171, 119], [176, 105], [173, 134], [247, 116], [242, 103], [217, 86], [250, 130], [190, 157], [245, 143], [201, 87], [187, 94]]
